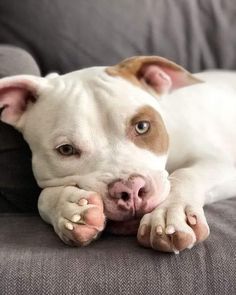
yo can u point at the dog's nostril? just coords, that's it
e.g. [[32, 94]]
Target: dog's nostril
[[142, 192], [125, 196]]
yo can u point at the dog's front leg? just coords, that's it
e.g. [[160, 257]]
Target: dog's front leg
[[179, 222], [76, 215]]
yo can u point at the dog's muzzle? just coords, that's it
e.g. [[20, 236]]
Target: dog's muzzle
[[127, 201]]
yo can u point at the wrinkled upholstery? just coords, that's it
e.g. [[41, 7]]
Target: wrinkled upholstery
[[34, 261], [66, 35]]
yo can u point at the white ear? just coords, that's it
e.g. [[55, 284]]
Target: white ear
[[153, 72], [16, 93]]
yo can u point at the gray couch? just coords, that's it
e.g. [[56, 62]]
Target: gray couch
[[66, 35]]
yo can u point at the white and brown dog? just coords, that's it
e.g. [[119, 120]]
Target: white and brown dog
[[129, 144]]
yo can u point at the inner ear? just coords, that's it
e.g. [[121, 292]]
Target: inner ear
[[155, 77], [16, 93], [153, 73], [14, 102]]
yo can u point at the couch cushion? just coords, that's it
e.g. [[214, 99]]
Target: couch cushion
[[66, 35], [34, 261], [18, 188]]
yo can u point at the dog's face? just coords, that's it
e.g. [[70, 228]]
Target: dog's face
[[100, 129]]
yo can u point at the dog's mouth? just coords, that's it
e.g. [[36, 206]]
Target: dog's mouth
[[126, 227]]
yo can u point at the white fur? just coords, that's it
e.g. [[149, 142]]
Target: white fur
[[200, 121], [90, 108]]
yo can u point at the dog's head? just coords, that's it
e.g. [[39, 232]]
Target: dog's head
[[100, 129]]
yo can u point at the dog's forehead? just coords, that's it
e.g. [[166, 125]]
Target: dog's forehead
[[94, 86]]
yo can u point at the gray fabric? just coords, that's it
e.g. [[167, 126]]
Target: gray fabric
[[18, 189], [34, 261], [16, 61], [66, 35]]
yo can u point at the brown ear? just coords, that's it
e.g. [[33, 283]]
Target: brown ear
[[15, 94], [155, 72]]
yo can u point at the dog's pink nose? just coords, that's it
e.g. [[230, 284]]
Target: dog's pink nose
[[128, 193]]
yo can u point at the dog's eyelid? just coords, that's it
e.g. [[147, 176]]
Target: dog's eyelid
[[62, 144], [142, 116], [67, 150]]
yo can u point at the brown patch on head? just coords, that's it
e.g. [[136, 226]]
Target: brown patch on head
[[156, 139], [133, 66], [164, 73], [127, 70]]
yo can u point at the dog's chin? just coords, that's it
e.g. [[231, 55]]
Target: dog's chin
[[125, 227]]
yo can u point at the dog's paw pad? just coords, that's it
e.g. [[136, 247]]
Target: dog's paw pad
[[83, 234], [144, 235], [182, 240], [197, 221], [162, 243], [201, 230], [173, 228], [81, 218], [94, 217]]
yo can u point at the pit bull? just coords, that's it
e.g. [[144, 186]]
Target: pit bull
[[140, 147]]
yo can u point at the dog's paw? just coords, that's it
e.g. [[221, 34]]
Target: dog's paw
[[173, 228], [80, 216]]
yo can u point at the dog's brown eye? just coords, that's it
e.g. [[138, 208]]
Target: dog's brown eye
[[66, 150], [142, 127]]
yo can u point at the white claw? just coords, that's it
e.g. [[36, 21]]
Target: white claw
[[159, 230], [76, 218], [175, 251], [69, 226], [170, 230], [83, 202]]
